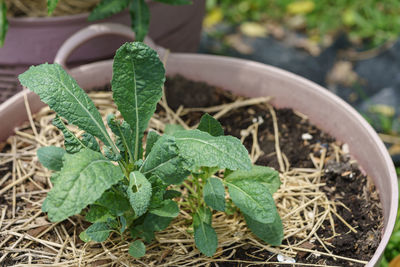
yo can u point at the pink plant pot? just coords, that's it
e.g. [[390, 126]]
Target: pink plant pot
[[247, 78], [31, 41]]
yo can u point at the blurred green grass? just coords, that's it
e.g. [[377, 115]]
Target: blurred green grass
[[372, 22]]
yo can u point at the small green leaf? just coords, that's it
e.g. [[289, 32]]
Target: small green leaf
[[98, 232], [115, 202], [84, 237], [265, 175], [164, 162], [72, 143], [140, 18], [155, 223], [210, 125], [123, 131], [123, 222], [158, 188], [139, 192], [51, 5], [253, 198], [81, 181], [137, 249], [151, 139], [170, 194], [272, 233], [203, 214], [51, 157], [135, 92], [205, 150], [63, 95], [170, 129], [139, 231], [168, 208], [107, 8], [90, 142], [98, 214], [205, 238], [3, 22], [111, 155], [214, 194], [176, 2]]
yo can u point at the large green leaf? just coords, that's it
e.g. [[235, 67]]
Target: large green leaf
[[205, 238], [137, 249], [140, 18], [51, 5], [205, 150], [176, 2], [210, 125], [61, 92], [107, 8], [139, 192], [164, 161], [98, 232], [138, 76], [72, 143], [203, 214], [272, 233], [3, 22], [214, 194], [253, 198], [81, 181], [265, 175], [51, 157]]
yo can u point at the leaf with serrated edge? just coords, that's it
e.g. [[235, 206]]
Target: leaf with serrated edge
[[164, 162], [252, 198], [63, 95], [140, 18], [135, 92], [72, 143], [210, 125], [81, 181], [265, 175], [137, 249], [205, 238], [51, 5], [214, 194], [123, 131], [205, 150], [98, 232], [139, 192], [107, 8], [51, 157], [272, 233]]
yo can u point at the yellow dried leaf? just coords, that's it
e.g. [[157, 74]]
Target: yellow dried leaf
[[253, 29], [300, 7], [213, 17]]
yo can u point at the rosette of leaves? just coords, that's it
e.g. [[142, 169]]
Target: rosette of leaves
[[138, 10], [121, 186]]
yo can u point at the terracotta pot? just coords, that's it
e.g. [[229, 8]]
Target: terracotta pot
[[243, 77], [31, 41]]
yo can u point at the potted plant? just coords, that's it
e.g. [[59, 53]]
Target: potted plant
[[258, 79], [174, 26]]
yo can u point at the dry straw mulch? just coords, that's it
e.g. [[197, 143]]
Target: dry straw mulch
[[27, 238]]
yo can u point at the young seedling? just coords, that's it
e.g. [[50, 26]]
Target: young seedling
[[120, 186]]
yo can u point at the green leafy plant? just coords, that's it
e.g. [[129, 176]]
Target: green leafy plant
[[138, 9], [120, 186]]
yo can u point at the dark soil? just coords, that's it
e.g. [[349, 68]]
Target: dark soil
[[344, 181]]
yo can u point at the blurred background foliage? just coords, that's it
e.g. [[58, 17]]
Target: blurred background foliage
[[371, 22]]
